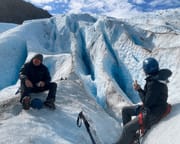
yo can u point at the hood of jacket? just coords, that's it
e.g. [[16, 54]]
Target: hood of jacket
[[162, 76]]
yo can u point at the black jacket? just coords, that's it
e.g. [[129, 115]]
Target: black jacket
[[35, 73], [155, 93]]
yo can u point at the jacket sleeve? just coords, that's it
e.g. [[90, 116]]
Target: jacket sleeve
[[142, 94], [47, 77], [23, 74], [151, 94]]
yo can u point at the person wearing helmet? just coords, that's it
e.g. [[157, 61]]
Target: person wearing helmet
[[154, 102], [35, 77]]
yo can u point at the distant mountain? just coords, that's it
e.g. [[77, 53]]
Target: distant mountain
[[17, 11]]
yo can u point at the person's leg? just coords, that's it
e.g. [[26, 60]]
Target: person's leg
[[129, 132], [51, 96], [51, 87], [25, 96], [52, 91], [25, 91], [128, 112]]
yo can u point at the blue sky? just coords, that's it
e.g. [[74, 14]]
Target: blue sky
[[117, 8]]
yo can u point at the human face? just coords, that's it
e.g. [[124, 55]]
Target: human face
[[36, 62]]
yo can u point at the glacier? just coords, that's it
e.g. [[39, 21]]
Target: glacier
[[94, 60]]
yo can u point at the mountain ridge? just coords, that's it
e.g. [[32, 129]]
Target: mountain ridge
[[17, 11]]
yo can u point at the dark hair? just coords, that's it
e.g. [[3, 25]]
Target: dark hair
[[39, 57]]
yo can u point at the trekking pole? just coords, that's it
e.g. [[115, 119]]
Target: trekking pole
[[87, 125]]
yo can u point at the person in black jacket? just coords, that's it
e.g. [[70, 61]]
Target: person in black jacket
[[154, 101], [35, 77]]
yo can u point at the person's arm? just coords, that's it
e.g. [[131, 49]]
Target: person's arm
[[152, 94], [142, 94], [138, 88], [23, 75], [23, 72], [47, 77]]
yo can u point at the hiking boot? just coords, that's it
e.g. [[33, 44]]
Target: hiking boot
[[50, 104], [26, 102]]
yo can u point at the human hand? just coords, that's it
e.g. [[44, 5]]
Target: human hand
[[41, 84], [28, 83], [136, 86]]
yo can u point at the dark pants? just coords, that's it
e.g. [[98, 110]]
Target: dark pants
[[130, 126], [25, 91]]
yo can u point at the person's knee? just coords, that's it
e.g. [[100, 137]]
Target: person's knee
[[53, 85], [124, 110]]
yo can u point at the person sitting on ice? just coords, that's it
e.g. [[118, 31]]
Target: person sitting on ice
[[35, 77], [154, 102]]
